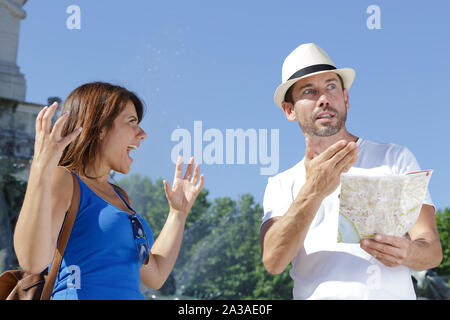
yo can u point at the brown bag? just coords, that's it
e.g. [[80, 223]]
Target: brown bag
[[21, 285]]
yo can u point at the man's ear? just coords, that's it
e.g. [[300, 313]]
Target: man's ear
[[347, 104], [288, 109]]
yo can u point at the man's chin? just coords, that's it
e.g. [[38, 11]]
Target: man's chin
[[324, 132], [327, 130]]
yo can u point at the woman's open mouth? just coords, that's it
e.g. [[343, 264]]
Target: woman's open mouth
[[129, 148]]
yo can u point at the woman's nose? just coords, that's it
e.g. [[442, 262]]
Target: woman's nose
[[142, 135]]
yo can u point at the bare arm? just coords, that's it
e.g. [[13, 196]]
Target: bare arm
[[47, 197], [426, 249], [282, 237], [164, 253], [41, 217]]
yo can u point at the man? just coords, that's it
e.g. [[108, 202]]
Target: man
[[301, 204]]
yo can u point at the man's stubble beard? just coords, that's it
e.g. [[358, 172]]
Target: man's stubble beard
[[324, 131]]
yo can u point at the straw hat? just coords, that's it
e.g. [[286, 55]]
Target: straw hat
[[307, 60]]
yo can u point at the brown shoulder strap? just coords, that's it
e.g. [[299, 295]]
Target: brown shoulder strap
[[62, 242]]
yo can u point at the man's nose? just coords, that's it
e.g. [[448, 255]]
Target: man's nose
[[323, 101]]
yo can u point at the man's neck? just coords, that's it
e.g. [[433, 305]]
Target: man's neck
[[320, 144]]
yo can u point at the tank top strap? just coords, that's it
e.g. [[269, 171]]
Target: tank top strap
[[123, 199], [115, 189]]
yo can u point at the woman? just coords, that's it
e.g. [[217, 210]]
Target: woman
[[98, 126]]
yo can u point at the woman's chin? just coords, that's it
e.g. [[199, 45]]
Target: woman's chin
[[125, 167], [124, 170]]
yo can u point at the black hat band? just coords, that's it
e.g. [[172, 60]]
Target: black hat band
[[312, 69]]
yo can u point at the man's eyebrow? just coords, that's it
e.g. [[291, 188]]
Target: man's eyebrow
[[305, 86], [310, 84]]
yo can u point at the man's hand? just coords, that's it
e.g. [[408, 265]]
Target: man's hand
[[421, 251], [390, 250], [282, 237], [323, 171]]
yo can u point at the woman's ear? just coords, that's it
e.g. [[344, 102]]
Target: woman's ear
[[288, 109], [102, 133]]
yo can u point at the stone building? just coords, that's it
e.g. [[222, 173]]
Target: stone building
[[17, 128]]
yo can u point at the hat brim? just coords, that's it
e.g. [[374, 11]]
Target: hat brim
[[347, 75]]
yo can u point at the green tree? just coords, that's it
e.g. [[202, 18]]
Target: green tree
[[443, 224], [12, 192], [226, 264], [220, 257], [149, 200]]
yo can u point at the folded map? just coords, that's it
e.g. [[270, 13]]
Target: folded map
[[387, 204]]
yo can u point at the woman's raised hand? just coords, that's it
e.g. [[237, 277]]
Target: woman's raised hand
[[48, 144], [184, 191]]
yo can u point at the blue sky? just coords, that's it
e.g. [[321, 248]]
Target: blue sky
[[220, 62]]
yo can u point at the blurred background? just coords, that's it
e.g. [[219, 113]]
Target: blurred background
[[220, 63]]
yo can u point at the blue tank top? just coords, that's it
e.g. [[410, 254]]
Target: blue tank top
[[101, 260]]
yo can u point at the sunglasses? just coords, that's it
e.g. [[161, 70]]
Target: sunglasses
[[140, 239]]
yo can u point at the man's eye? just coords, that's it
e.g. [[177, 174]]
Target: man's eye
[[308, 91], [331, 86]]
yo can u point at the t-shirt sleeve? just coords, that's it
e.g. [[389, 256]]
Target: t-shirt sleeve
[[276, 200], [408, 163]]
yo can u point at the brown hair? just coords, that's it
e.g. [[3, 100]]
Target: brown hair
[[93, 106], [289, 98]]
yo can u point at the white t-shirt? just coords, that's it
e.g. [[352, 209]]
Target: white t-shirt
[[324, 268]]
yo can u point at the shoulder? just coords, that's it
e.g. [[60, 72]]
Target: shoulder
[[289, 176], [62, 177], [61, 192], [62, 186], [280, 187], [391, 152], [381, 147]]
